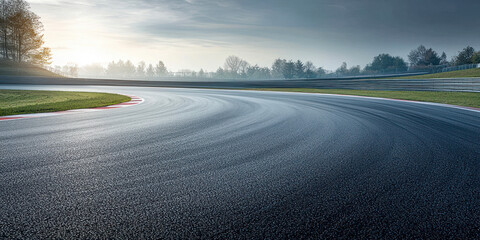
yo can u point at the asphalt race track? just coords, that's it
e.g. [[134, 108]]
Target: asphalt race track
[[192, 163]]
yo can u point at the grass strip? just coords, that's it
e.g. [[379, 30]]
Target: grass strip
[[475, 72], [467, 99], [13, 102]]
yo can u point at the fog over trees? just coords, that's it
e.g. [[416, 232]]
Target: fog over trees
[[234, 67]]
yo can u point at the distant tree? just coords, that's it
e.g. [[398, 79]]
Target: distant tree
[[140, 71], [129, 69], [443, 59], [299, 69], [289, 70], [321, 72], [187, 73], [431, 57], [465, 56], [256, 72], [417, 56], [422, 57], [201, 73], [114, 69], [277, 68], [355, 70], [310, 70], [385, 63], [251, 71], [263, 73], [73, 70], [150, 71], [92, 70], [232, 64], [121, 69], [342, 70], [220, 73], [70, 70], [243, 69], [476, 57], [161, 69], [235, 66]]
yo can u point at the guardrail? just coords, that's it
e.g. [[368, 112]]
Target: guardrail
[[459, 84], [455, 84], [461, 67]]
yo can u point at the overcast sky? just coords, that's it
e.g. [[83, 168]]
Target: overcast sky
[[194, 34]]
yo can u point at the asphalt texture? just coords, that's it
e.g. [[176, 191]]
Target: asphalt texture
[[224, 164]]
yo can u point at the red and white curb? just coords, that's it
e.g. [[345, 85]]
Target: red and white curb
[[134, 101]]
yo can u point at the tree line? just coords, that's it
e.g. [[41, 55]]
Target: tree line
[[420, 59], [126, 69], [21, 37], [236, 67], [115, 69]]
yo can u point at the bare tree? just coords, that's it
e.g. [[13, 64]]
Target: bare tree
[[243, 68], [235, 66], [232, 64]]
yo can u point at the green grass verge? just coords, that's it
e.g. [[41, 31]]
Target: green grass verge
[[475, 72], [467, 99], [13, 102]]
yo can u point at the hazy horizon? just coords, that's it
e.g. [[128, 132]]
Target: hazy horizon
[[194, 34]]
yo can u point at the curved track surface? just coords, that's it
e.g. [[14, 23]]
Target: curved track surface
[[238, 164]]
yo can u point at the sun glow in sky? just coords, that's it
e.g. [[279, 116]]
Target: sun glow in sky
[[196, 34]]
